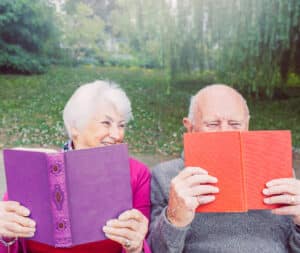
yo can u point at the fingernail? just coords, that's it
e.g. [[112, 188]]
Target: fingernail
[[25, 212], [109, 223], [266, 191], [214, 180], [267, 201], [211, 198]]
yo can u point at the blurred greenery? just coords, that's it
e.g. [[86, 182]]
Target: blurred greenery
[[31, 107], [29, 37], [250, 44], [293, 80]]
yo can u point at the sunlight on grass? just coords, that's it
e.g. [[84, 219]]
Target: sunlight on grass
[[31, 108]]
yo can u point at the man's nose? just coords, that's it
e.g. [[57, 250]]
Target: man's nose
[[225, 127]]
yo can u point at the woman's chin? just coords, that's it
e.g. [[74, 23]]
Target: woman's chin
[[102, 144]]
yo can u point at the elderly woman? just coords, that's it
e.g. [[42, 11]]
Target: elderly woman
[[95, 115]]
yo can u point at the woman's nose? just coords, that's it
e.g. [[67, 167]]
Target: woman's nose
[[114, 132]]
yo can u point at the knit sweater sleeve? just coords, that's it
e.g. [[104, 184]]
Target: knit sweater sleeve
[[163, 236], [294, 240]]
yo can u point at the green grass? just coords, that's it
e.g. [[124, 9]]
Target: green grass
[[31, 108]]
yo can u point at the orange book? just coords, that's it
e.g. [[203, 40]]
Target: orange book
[[243, 162]]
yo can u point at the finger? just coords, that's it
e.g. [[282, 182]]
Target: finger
[[281, 189], [200, 179], [132, 214], [12, 206], [130, 224], [18, 229], [7, 233], [280, 181], [287, 210], [189, 171], [121, 240], [14, 235], [24, 221], [9, 204], [202, 190], [25, 235], [205, 199], [282, 199], [122, 232]]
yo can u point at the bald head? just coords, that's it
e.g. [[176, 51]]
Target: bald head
[[217, 108]]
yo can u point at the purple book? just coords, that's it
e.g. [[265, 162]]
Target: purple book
[[71, 194]]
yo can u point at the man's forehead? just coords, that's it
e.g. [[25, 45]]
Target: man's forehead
[[219, 117], [221, 108]]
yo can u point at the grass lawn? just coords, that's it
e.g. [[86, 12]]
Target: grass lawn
[[31, 108]]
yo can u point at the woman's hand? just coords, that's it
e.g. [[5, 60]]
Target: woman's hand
[[129, 230], [14, 221], [284, 191]]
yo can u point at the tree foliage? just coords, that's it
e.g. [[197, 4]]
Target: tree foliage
[[253, 44], [249, 43], [28, 35], [83, 31]]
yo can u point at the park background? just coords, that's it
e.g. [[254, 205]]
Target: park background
[[160, 52]]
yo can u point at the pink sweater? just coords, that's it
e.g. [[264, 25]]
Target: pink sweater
[[140, 183]]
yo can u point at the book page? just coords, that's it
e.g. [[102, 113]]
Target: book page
[[219, 154], [266, 155], [44, 150]]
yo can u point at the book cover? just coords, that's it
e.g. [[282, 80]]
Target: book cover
[[243, 162], [71, 194]]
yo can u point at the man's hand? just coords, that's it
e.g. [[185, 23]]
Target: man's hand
[[286, 191], [14, 221], [189, 189]]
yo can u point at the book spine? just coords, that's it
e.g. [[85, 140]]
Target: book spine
[[59, 200], [244, 174]]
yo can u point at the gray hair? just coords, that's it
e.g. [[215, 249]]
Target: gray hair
[[85, 101], [194, 102]]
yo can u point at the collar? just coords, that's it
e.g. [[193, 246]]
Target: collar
[[68, 145]]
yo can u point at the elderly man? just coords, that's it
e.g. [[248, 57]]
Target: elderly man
[[178, 191]]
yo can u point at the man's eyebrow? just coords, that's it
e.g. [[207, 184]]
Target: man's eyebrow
[[212, 120], [235, 120]]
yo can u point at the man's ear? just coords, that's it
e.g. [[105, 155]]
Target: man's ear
[[187, 124], [247, 122]]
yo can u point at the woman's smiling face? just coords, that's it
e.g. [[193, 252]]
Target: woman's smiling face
[[106, 127]]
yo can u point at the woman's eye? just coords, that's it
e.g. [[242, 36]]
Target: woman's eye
[[122, 125], [105, 123]]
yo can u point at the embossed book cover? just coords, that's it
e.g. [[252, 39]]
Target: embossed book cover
[[71, 194], [243, 162]]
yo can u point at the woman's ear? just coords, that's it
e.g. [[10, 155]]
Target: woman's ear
[[187, 124], [74, 133]]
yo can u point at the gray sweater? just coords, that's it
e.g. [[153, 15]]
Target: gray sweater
[[251, 232]]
